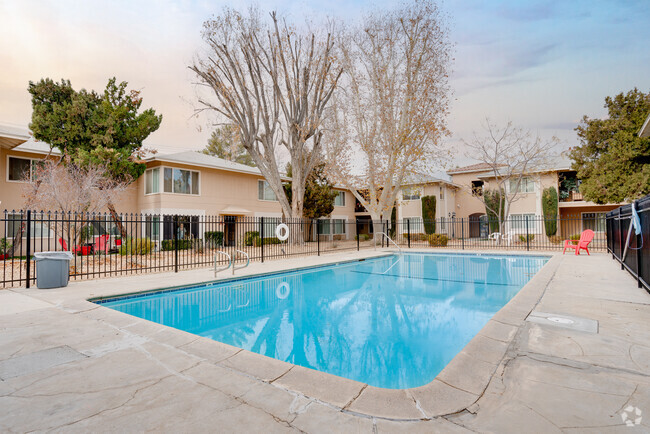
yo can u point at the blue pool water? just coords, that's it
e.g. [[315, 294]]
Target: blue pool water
[[391, 322]]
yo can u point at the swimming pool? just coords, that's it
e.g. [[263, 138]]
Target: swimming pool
[[392, 322]]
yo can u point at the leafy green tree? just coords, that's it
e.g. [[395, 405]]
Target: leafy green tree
[[94, 129], [429, 214], [225, 143], [612, 161], [319, 194], [549, 208]]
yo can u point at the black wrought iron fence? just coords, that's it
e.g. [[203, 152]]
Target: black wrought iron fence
[[141, 243], [631, 250]]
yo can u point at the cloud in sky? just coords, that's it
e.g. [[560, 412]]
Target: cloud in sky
[[542, 65]]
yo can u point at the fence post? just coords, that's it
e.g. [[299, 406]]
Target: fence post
[[318, 235], [462, 233], [527, 240], [28, 253], [176, 243], [356, 228], [620, 239], [262, 236], [408, 232]]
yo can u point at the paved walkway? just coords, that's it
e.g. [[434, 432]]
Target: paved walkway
[[67, 365]]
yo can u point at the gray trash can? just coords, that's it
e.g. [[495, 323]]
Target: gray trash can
[[52, 269]]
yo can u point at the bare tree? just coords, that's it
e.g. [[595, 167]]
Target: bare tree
[[390, 114], [73, 191], [512, 156], [273, 81]]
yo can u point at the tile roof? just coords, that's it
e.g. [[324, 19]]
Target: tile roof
[[480, 167]]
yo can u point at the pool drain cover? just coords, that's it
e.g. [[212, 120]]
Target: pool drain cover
[[565, 321], [560, 320]]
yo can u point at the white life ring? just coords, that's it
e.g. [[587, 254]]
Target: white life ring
[[278, 232], [282, 291]]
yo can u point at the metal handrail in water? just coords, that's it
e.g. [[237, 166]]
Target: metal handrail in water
[[389, 238], [216, 270], [248, 261]]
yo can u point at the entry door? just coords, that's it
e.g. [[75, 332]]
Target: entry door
[[231, 229]]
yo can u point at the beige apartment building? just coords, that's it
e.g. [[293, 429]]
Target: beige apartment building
[[199, 187], [409, 203], [574, 212], [196, 186]]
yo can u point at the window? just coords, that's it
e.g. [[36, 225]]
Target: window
[[38, 229], [477, 188], [526, 185], [270, 223], [21, 169], [339, 200], [594, 221], [264, 191], [152, 227], [414, 225], [152, 181], [325, 226], [442, 192], [180, 181], [339, 226], [518, 222], [410, 193]]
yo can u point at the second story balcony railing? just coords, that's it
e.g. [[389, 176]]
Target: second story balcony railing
[[571, 196]]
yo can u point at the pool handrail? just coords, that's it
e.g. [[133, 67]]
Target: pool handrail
[[390, 239], [234, 267], [216, 270]]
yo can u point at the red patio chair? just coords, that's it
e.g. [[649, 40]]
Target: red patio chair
[[102, 244], [582, 243]]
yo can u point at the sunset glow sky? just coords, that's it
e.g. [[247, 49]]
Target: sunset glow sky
[[542, 65]]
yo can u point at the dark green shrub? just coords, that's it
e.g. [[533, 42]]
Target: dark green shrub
[[250, 237], [4, 245], [214, 238], [268, 240], [549, 208], [182, 244], [522, 238], [438, 240], [393, 222], [136, 246], [362, 237], [575, 237], [429, 214]]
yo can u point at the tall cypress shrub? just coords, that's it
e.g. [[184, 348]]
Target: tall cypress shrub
[[393, 222], [429, 214], [549, 208], [492, 199]]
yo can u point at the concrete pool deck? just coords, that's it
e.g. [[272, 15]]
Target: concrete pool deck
[[69, 365]]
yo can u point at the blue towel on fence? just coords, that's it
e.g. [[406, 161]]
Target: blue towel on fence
[[636, 221]]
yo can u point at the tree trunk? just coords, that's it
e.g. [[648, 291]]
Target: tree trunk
[[18, 240], [116, 219]]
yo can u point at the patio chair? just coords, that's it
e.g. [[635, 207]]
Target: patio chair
[[102, 244], [497, 237], [583, 243]]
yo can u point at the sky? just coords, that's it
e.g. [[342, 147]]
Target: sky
[[541, 65]]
